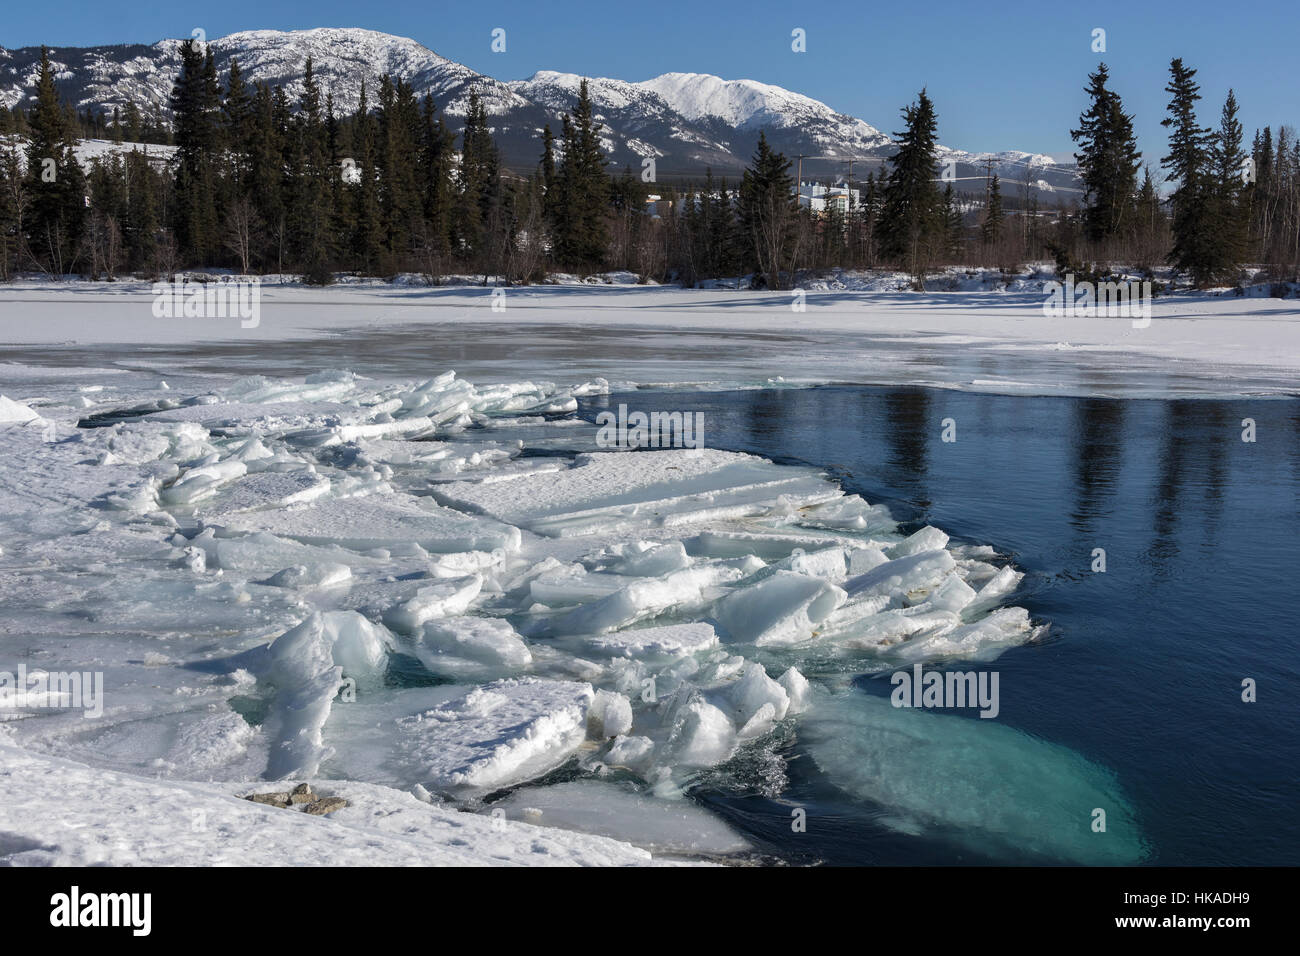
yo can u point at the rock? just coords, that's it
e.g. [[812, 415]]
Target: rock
[[325, 805], [270, 799], [302, 794]]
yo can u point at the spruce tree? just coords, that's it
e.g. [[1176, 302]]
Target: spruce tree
[[768, 206], [991, 228], [1188, 164], [367, 235], [193, 104], [911, 220], [583, 232], [1108, 160], [55, 183], [1230, 213]]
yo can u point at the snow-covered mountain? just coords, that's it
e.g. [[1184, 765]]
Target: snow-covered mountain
[[686, 121]]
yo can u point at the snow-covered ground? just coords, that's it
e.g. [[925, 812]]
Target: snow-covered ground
[[982, 340]]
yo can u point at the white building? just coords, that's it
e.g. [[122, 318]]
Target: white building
[[819, 197]]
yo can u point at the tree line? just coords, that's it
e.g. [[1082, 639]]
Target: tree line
[[265, 181]]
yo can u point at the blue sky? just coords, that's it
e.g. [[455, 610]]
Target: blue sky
[[1003, 76]]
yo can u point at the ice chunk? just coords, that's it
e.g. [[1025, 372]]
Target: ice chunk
[[646, 560], [782, 609], [644, 599], [669, 640], [992, 593], [902, 575], [617, 490], [702, 735], [634, 753], [443, 599], [450, 643], [757, 701], [953, 595], [610, 715], [797, 689], [981, 641], [268, 490], [614, 810], [849, 513], [863, 560], [199, 482], [927, 539], [573, 585], [829, 563], [378, 521], [12, 412], [307, 666], [767, 546], [497, 735], [301, 576]]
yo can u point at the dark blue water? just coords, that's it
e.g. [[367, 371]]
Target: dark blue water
[[1143, 669]]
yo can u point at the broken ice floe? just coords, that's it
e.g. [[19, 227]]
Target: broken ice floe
[[353, 546]]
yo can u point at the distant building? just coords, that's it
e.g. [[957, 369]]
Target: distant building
[[818, 197]]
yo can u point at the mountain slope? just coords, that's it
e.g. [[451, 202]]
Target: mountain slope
[[685, 121]]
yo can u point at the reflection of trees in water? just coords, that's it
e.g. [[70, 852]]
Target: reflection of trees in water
[[763, 420], [907, 432], [1098, 435], [1193, 455]]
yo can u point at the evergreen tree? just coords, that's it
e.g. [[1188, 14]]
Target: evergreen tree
[[1230, 211], [55, 184], [911, 222], [991, 228], [768, 206], [1108, 160], [193, 103], [1188, 165], [311, 207], [582, 231], [548, 180], [952, 222], [367, 234]]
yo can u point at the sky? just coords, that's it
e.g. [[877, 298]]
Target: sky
[[1004, 76]]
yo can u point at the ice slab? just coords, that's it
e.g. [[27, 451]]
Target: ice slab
[[618, 811], [374, 521], [458, 645], [629, 490], [497, 735], [667, 641], [903, 575], [784, 608], [645, 598]]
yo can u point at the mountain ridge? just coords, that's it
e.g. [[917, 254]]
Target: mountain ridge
[[684, 121]]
